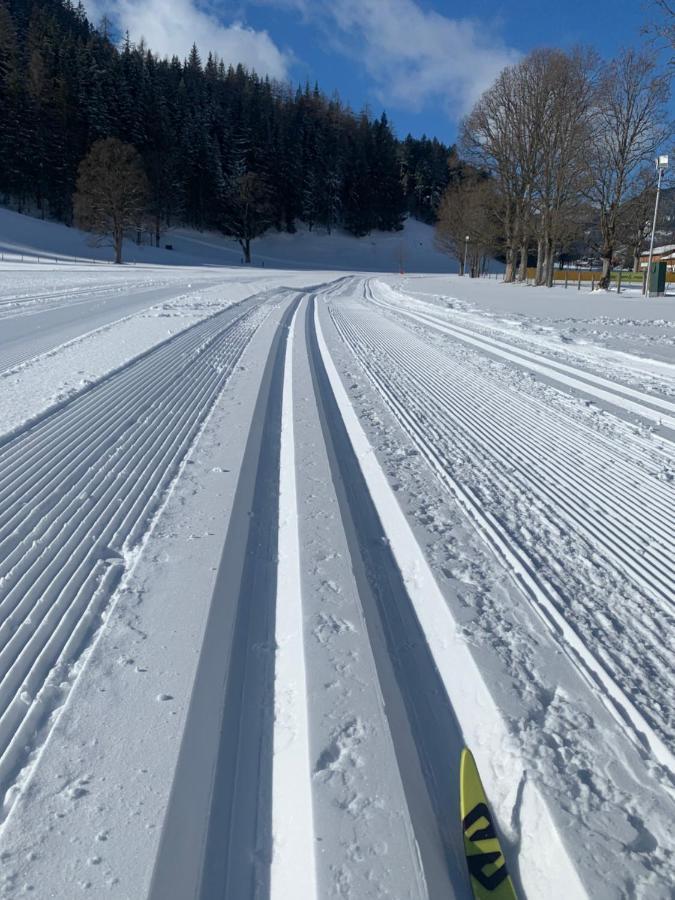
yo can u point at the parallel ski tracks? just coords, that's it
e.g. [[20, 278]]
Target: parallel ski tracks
[[77, 489], [32, 304], [646, 404], [623, 516], [633, 493], [109, 307], [630, 539]]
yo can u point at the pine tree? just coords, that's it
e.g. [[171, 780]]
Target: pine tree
[[198, 127], [385, 173]]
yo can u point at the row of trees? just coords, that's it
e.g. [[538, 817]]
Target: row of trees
[[207, 134], [562, 147]]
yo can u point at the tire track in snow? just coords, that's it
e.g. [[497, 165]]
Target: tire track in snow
[[77, 491], [436, 403]]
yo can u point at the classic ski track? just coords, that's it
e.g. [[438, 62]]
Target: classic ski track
[[654, 635], [490, 443], [33, 305], [435, 667], [93, 473], [293, 869], [45, 344], [617, 366], [647, 405], [662, 560], [612, 454], [597, 664], [53, 434], [624, 455]]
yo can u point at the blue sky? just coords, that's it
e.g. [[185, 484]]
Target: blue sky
[[424, 61]]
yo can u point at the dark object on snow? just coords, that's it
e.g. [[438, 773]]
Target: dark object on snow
[[657, 279], [168, 246]]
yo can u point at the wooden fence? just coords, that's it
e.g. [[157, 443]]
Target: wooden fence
[[573, 277]]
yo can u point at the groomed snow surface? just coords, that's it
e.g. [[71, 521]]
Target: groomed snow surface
[[275, 545]]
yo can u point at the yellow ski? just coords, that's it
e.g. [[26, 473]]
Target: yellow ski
[[489, 876]]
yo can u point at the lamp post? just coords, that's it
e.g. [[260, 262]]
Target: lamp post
[[661, 166], [466, 247]]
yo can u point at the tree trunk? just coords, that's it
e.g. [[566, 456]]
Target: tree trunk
[[550, 261], [606, 272], [510, 265], [245, 244], [636, 259], [118, 237], [540, 261], [158, 227], [522, 267]]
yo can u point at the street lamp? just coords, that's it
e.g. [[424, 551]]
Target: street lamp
[[466, 247], [661, 166]]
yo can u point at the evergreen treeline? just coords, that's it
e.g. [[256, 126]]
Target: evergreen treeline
[[200, 127]]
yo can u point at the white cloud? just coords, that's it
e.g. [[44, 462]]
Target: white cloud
[[172, 27], [414, 56]]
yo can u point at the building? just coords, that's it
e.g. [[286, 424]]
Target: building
[[665, 254]]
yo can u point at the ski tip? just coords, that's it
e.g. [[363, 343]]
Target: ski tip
[[485, 859]]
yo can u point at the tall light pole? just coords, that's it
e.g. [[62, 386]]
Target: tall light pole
[[661, 166], [466, 247]]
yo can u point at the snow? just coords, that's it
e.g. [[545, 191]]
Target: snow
[[292, 866], [556, 318], [114, 730], [467, 540], [481, 726], [412, 248], [42, 378], [588, 538], [600, 388]]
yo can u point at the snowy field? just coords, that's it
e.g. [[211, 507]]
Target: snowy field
[[29, 240], [276, 545]]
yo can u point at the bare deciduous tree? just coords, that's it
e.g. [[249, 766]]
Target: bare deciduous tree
[[496, 137], [246, 213], [469, 209], [635, 219], [515, 128], [567, 83], [661, 26], [112, 192], [629, 123]]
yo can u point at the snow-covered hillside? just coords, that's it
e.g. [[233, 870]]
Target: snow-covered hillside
[[412, 248]]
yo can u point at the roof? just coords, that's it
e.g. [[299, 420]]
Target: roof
[[661, 251]]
